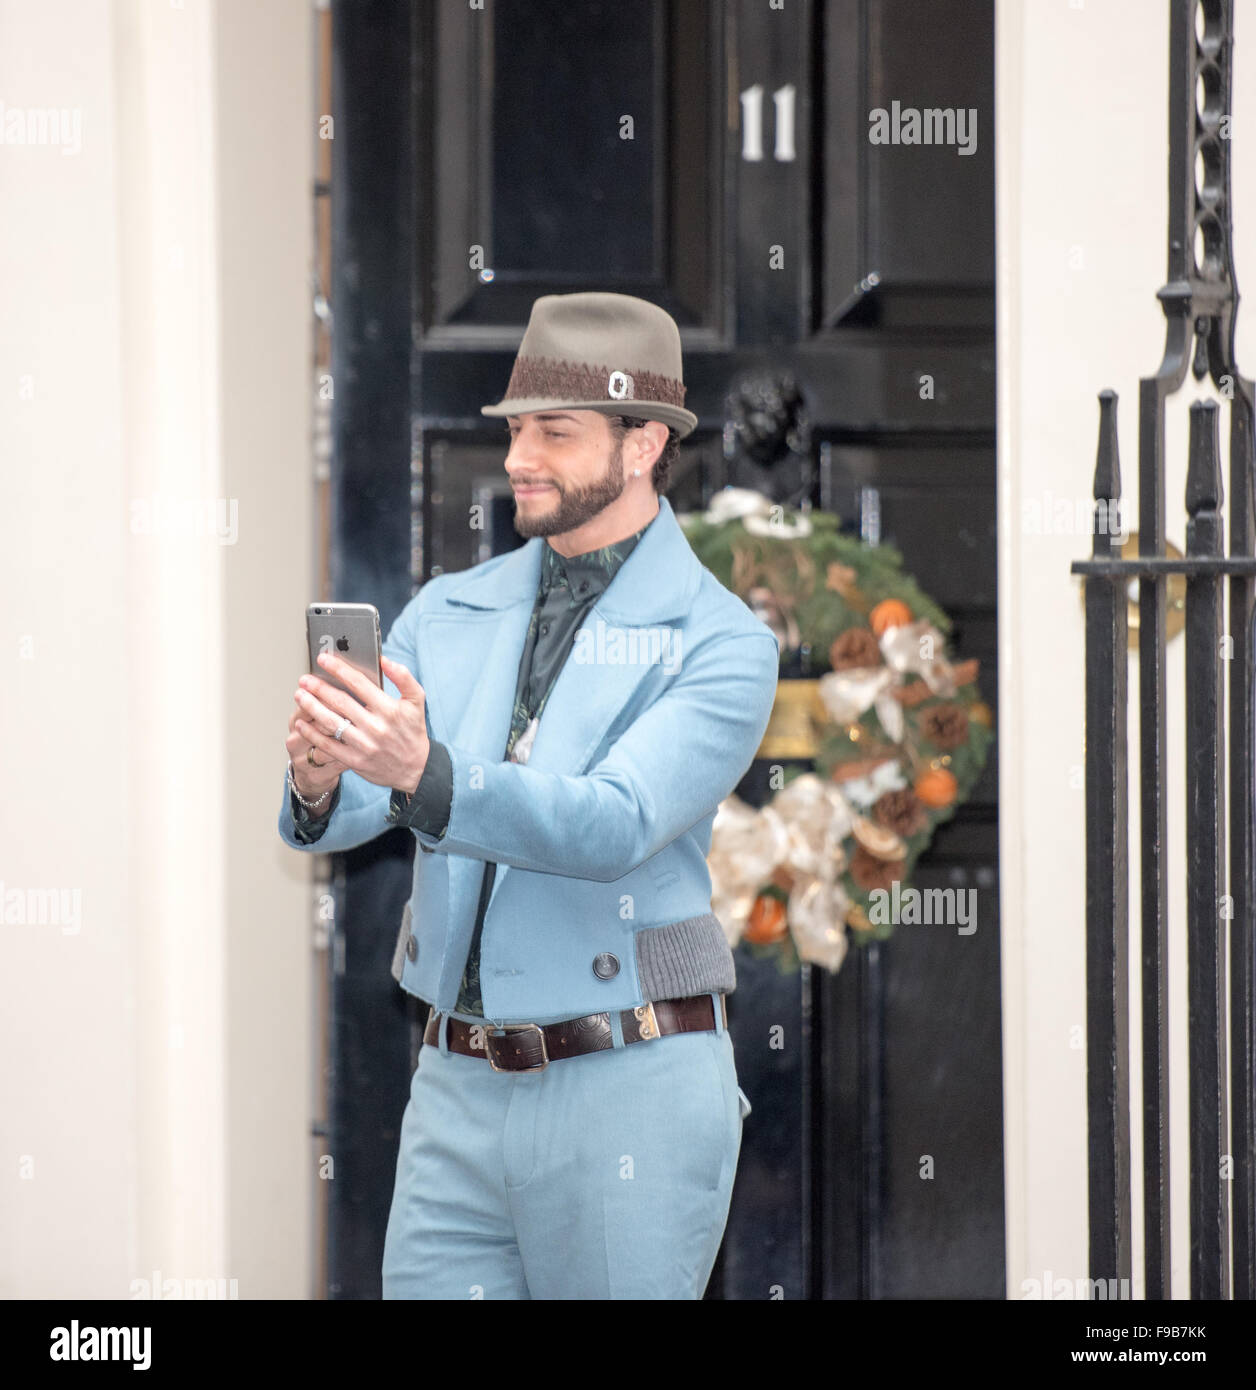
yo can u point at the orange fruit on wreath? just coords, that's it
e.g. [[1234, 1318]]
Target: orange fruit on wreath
[[767, 920], [936, 787], [890, 612]]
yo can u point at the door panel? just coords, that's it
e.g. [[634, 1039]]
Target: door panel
[[573, 144]]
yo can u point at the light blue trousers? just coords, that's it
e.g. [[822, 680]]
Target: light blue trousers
[[607, 1175]]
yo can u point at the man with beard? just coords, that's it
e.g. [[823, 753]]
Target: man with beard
[[574, 1121]]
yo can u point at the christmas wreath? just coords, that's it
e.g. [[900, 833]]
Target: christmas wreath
[[897, 732]]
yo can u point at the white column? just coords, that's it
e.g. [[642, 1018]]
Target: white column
[[154, 436]]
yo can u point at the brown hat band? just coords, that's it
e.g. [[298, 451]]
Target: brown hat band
[[552, 378]]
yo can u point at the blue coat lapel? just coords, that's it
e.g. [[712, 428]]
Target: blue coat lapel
[[470, 652]]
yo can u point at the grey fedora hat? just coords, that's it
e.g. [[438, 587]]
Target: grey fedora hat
[[613, 353]]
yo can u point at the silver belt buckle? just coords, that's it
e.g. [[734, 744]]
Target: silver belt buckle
[[647, 1024], [489, 1039]]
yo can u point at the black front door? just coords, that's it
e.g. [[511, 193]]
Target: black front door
[[744, 165]]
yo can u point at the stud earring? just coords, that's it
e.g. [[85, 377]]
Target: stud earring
[[636, 472]]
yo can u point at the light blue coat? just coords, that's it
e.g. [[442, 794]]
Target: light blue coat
[[652, 721]]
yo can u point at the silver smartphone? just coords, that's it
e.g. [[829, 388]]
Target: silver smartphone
[[349, 631]]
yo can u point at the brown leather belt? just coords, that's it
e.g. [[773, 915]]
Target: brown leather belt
[[533, 1046]]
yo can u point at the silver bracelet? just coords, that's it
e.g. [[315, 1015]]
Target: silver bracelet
[[309, 805]]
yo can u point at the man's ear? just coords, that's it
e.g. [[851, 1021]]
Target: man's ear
[[655, 441]]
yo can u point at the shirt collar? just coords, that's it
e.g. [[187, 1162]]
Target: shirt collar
[[591, 572]]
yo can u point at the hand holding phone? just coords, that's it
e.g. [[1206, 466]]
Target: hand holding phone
[[391, 749]]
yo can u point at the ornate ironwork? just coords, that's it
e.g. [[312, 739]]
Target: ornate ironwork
[[1200, 301]]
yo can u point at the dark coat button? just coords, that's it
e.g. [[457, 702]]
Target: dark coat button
[[605, 965], [412, 946]]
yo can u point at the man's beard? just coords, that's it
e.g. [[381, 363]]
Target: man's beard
[[576, 506]]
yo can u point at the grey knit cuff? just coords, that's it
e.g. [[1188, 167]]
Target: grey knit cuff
[[683, 958]]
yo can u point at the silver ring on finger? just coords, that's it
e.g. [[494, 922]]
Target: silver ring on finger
[[340, 729]]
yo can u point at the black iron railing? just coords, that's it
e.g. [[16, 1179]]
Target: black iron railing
[[1200, 303]]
